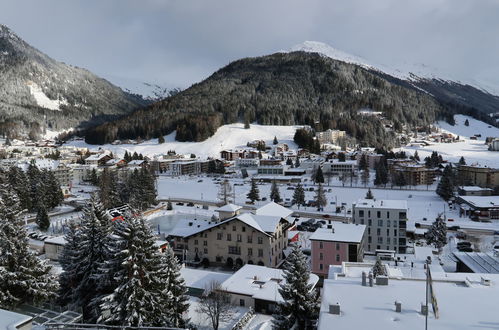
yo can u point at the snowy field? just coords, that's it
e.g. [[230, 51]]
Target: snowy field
[[226, 137], [474, 151]]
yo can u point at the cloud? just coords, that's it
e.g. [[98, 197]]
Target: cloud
[[177, 43]]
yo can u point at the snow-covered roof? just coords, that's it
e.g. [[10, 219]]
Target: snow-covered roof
[[259, 282], [229, 208], [200, 279], [274, 209], [473, 188], [59, 240], [479, 262], [136, 162], [10, 320], [341, 232], [96, 156], [364, 307], [481, 201], [382, 203]]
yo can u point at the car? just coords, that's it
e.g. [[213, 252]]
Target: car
[[264, 199], [200, 180], [326, 216], [291, 188], [450, 219], [454, 228], [180, 204], [463, 243], [496, 248], [311, 189], [465, 249], [190, 204]]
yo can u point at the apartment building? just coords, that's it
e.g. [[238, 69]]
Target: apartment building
[[335, 244], [330, 136], [386, 222], [415, 174], [248, 238], [336, 167], [482, 176]]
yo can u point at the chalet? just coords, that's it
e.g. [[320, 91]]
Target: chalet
[[97, 159]]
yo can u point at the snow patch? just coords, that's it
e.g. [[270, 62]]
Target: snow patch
[[42, 100]]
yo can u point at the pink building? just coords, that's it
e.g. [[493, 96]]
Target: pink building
[[335, 244]]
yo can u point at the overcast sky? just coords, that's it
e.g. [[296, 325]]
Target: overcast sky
[[179, 42]]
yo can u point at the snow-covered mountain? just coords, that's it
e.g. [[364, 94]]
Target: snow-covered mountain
[[150, 91], [38, 92], [413, 72]]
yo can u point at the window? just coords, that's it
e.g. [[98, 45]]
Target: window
[[233, 228], [260, 252], [402, 215], [369, 239], [321, 256], [388, 232], [260, 240], [229, 237], [337, 257], [388, 223], [369, 213], [388, 242], [321, 245], [388, 215], [219, 236], [380, 240], [241, 302], [321, 266], [395, 232], [380, 223], [337, 246], [361, 213], [368, 231], [205, 251], [244, 229], [369, 222], [195, 242], [250, 252], [234, 250], [250, 239], [378, 214], [378, 231], [239, 238], [361, 221], [205, 243]]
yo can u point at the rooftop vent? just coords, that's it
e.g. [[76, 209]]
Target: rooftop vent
[[334, 309], [398, 306]]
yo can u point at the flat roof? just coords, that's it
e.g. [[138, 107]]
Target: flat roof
[[382, 203], [259, 282], [11, 320], [341, 232], [481, 201]]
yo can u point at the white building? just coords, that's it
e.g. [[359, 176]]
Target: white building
[[386, 222], [334, 166], [330, 136]]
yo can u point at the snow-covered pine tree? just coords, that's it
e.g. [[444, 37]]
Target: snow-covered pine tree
[[319, 176], [18, 181], [462, 161], [136, 300], [297, 162], [275, 140], [437, 233], [445, 188], [69, 278], [23, 277], [174, 296], [369, 194], [42, 218], [275, 195], [416, 156], [300, 307], [53, 193], [299, 196], [378, 268], [381, 177], [254, 194], [320, 198]]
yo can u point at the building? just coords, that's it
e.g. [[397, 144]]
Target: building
[[477, 262], [188, 167], [231, 155], [474, 191], [415, 174], [336, 167], [330, 136], [335, 244], [485, 177], [494, 145], [271, 169], [15, 321], [462, 301], [258, 287], [386, 222], [247, 162], [247, 238], [54, 247], [479, 208], [97, 159], [371, 158]]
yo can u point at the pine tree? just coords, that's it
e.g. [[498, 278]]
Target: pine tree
[[254, 193], [174, 295], [275, 140], [378, 268], [275, 195], [466, 122], [161, 139], [289, 162], [445, 188], [297, 162], [369, 194], [462, 161], [300, 307], [363, 165], [70, 276], [23, 277], [381, 177], [246, 122], [299, 195], [140, 289], [319, 176], [320, 198], [342, 157], [365, 177], [42, 218], [416, 156], [400, 179], [224, 192], [437, 233]]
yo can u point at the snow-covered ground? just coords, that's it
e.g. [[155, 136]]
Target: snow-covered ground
[[474, 151], [42, 99], [226, 137]]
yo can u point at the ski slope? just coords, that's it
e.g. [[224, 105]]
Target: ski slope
[[226, 137], [473, 151]]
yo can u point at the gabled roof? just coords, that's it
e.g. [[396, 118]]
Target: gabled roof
[[229, 208], [273, 209]]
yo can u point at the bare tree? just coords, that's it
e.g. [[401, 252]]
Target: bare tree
[[215, 304]]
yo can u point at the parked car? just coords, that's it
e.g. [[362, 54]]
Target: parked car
[[464, 249], [463, 243], [190, 204], [454, 228], [180, 204]]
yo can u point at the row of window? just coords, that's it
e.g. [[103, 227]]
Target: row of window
[[237, 250], [321, 257], [378, 232], [402, 215], [239, 238], [321, 245]]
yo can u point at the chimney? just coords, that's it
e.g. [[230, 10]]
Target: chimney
[[364, 279], [255, 278], [370, 279], [398, 306], [424, 309], [334, 309]]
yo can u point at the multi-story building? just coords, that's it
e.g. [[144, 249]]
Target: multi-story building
[[386, 222], [371, 158], [97, 159], [335, 244], [334, 166], [481, 176], [330, 136], [415, 174], [248, 238]]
